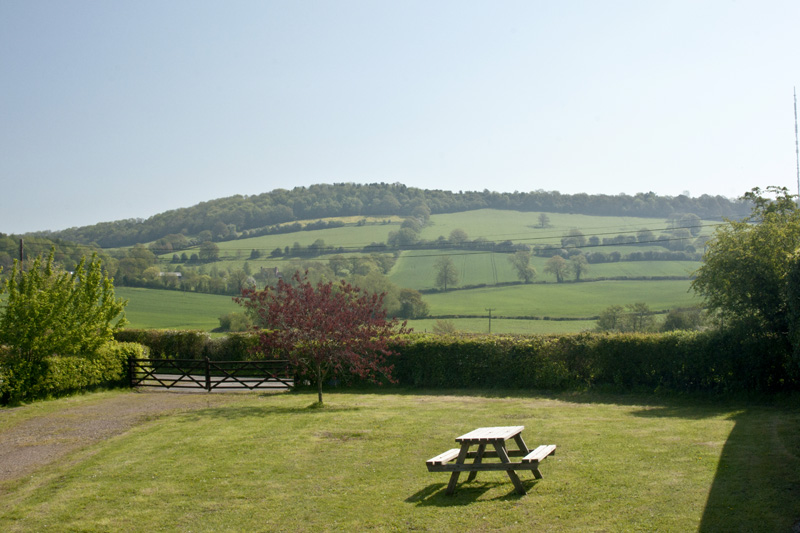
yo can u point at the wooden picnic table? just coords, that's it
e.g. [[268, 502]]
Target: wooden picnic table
[[496, 437]]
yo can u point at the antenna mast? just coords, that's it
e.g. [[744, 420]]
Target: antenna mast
[[796, 144]]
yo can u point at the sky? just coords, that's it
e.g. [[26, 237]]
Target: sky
[[116, 110]]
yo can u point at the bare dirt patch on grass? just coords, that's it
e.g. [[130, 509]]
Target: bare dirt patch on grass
[[44, 439]]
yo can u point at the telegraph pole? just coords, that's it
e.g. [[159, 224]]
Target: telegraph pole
[[796, 145], [490, 309], [21, 248]]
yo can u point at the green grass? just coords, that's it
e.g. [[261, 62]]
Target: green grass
[[508, 326], [574, 300], [417, 270], [162, 309], [270, 463], [517, 226]]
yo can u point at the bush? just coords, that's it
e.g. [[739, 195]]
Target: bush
[[713, 361], [173, 344], [56, 375]]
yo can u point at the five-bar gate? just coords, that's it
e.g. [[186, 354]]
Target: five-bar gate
[[210, 375]]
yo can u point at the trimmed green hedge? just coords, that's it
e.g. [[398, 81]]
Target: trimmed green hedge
[[175, 344], [711, 361], [676, 361], [59, 375]]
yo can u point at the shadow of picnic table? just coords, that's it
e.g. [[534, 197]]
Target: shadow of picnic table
[[467, 493]]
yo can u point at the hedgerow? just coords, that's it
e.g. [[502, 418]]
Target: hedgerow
[[709, 361], [177, 344], [57, 375]]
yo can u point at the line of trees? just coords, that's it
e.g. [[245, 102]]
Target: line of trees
[[229, 217]]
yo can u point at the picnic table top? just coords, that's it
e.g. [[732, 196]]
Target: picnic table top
[[490, 434]]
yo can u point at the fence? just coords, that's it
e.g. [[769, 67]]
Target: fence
[[210, 375]]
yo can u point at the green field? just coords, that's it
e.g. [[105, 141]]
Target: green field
[[490, 224], [523, 227], [268, 462], [415, 269], [160, 309], [507, 326]]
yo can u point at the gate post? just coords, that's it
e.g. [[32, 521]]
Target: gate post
[[130, 371], [208, 375]]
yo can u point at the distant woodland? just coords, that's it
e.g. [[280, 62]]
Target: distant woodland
[[244, 216]]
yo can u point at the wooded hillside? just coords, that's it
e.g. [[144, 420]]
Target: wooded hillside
[[237, 214]]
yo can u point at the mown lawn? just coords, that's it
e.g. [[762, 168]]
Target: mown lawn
[[271, 463]]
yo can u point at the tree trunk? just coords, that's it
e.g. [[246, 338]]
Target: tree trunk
[[319, 384]]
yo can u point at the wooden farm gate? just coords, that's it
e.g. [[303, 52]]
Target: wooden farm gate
[[210, 375]]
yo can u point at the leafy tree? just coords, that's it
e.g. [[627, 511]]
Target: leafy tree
[[683, 319], [557, 266], [324, 329], [611, 319], [136, 261], [544, 220], [579, 265], [412, 305], [444, 327], [446, 272], [208, 252], [51, 311], [639, 318], [234, 322], [404, 237], [521, 261], [793, 296], [631, 318], [458, 236], [573, 239], [745, 274], [645, 235]]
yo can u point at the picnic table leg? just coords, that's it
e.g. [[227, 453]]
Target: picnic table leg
[[521, 444], [501, 453], [526, 451], [462, 456], [477, 461]]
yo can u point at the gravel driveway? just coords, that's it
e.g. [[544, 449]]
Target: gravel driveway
[[41, 440]]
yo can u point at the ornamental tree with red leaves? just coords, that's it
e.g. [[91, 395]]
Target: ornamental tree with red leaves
[[324, 330]]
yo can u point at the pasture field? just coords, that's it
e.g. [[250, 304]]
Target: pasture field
[[507, 326], [523, 227], [572, 300], [161, 309], [269, 462], [417, 270], [491, 224]]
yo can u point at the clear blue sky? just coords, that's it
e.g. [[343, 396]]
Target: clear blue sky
[[112, 110]]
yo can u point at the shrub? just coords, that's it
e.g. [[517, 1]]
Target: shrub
[[713, 361], [173, 344], [57, 375]]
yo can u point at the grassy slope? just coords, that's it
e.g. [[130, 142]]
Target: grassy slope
[[269, 463], [159, 309], [572, 300], [415, 269]]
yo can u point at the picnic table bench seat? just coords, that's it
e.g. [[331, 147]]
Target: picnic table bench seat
[[540, 453], [443, 458]]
